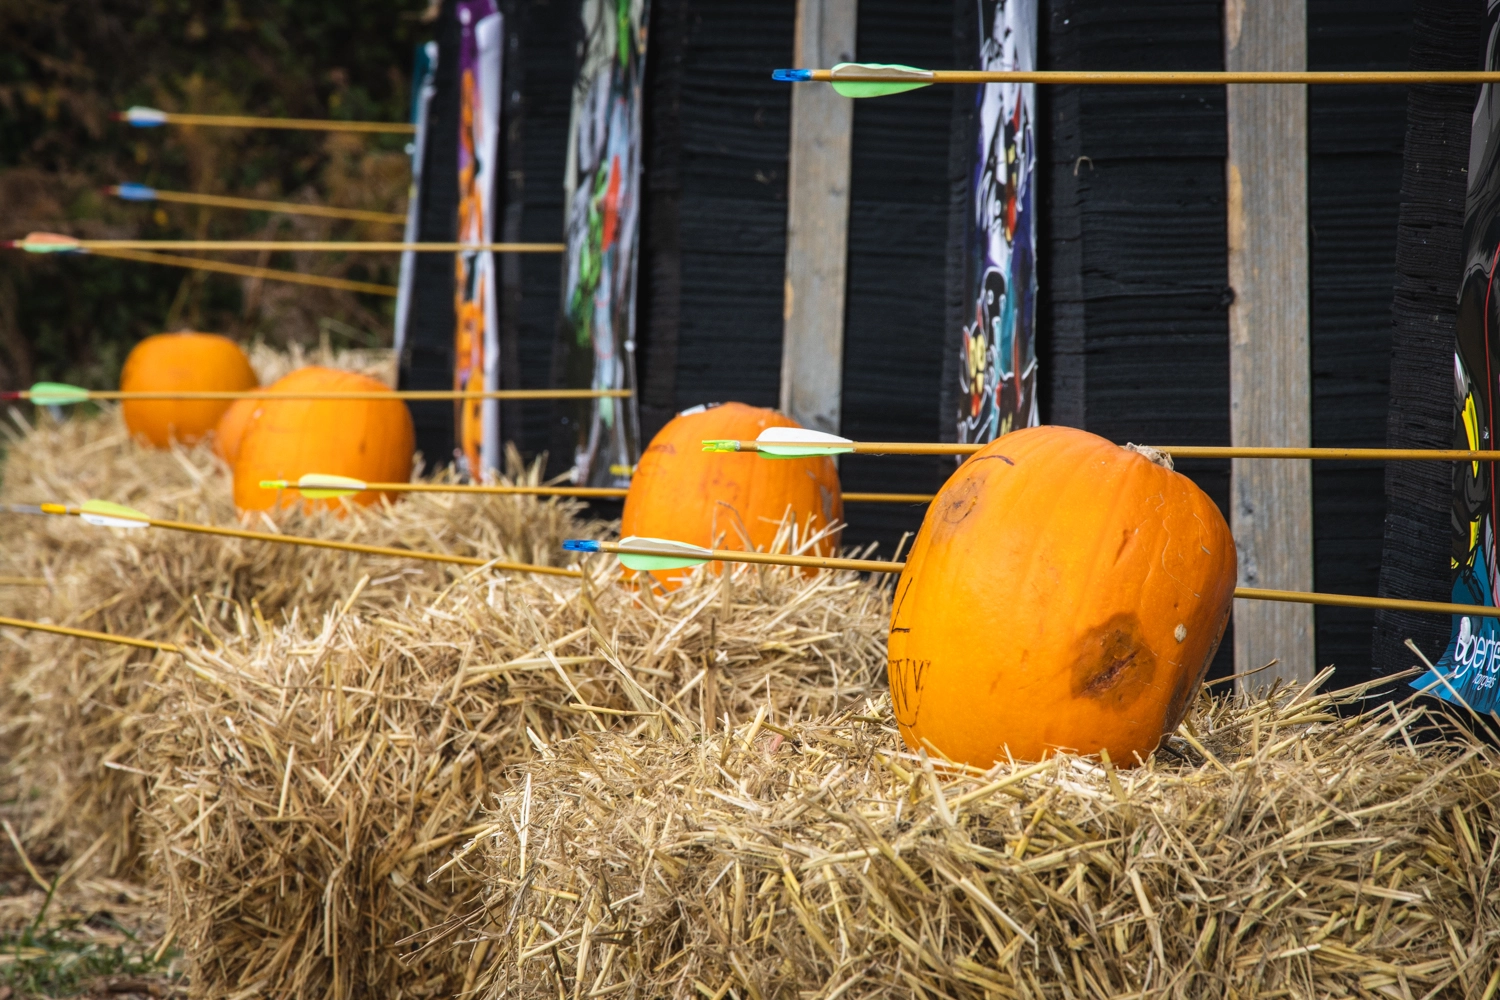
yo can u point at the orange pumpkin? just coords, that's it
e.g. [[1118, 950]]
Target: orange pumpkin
[[372, 440], [231, 428], [682, 493], [1063, 593], [187, 362]]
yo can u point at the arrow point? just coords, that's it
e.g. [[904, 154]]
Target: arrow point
[[792, 75]]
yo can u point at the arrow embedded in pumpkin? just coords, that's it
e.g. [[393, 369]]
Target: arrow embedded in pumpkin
[[142, 193], [646, 554], [62, 394], [143, 117], [103, 514], [57, 243], [799, 442], [882, 79], [318, 485]]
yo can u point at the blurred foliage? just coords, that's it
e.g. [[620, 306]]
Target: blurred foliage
[[65, 66]]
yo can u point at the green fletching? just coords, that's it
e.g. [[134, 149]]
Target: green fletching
[[802, 450], [668, 554], [901, 79], [103, 514], [646, 564], [316, 486], [57, 394], [874, 89]]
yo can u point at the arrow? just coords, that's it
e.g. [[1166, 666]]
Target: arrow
[[62, 394], [317, 485], [142, 193], [662, 553], [142, 117], [797, 442], [80, 633], [102, 513], [248, 271], [881, 79], [40, 242]]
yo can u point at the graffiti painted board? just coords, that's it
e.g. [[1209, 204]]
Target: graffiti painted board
[[1468, 670], [602, 188], [997, 367], [476, 356]]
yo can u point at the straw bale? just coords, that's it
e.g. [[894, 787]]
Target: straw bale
[[1306, 855], [308, 781], [66, 707]]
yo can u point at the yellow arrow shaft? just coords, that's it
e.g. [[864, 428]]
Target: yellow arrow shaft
[[1240, 593], [333, 246], [280, 207], [80, 633], [1170, 77], [1185, 451]]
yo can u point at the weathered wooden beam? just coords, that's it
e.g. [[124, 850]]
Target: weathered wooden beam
[[812, 352], [1270, 393]]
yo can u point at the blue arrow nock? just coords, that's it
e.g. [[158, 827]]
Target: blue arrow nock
[[581, 545], [792, 75], [134, 192]]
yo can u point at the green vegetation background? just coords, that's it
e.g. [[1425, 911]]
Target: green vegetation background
[[65, 66]]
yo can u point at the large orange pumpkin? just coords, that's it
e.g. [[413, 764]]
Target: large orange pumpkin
[[1063, 593], [682, 493], [182, 362], [230, 430], [371, 440]]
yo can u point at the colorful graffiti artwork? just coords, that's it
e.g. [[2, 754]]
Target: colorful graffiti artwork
[[477, 336], [1468, 670], [603, 206], [998, 348]]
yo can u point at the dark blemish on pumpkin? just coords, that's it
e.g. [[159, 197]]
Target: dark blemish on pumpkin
[[906, 677], [1113, 663], [963, 501], [664, 447], [1125, 534], [894, 629]]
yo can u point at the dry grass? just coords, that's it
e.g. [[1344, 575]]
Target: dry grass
[[308, 781], [1307, 856], [65, 731], [375, 777]]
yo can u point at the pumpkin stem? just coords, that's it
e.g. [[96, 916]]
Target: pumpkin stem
[[1161, 458]]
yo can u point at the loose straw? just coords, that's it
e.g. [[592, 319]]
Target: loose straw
[[80, 633], [1161, 77], [247, 271], [1194, 451], [280, 207], [592, 492], [1240, 593], [325, 543], [257, 121], [22, 581]]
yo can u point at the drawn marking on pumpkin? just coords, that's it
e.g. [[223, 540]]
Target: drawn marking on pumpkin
[[906, 676]]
